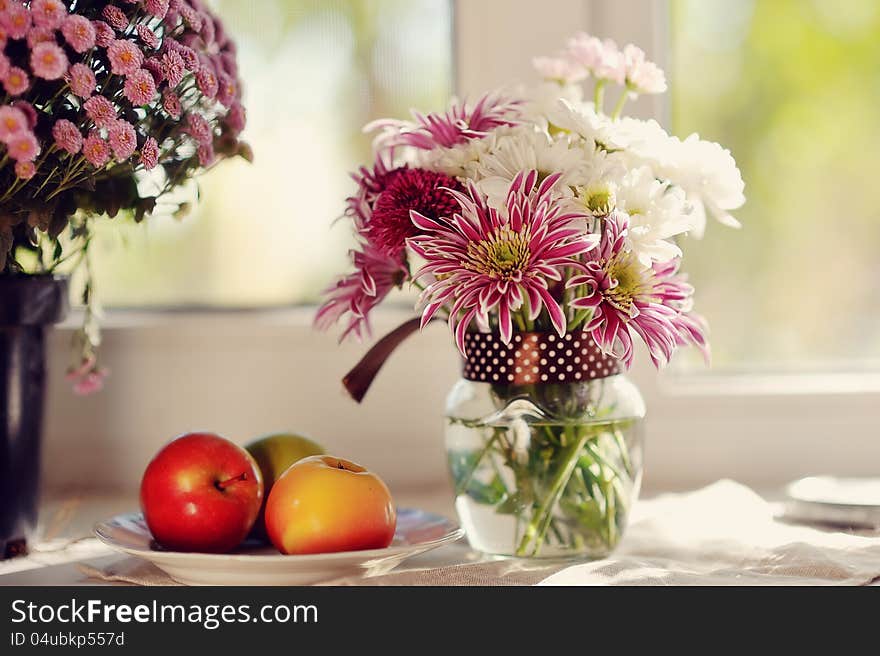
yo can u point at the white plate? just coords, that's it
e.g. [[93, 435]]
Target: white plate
[[853, 502], [417, 532]]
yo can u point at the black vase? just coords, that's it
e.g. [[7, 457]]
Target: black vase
[[28, 306]]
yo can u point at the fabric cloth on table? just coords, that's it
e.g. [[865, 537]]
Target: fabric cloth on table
[[723, 534]]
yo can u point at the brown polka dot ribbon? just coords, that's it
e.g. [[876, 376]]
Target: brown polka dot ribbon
[[536, 358]]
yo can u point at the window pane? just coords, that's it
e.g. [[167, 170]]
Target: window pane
[[314, 72], [791, 86]]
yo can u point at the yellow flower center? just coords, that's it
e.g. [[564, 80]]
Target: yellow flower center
[[631, 281], [503, 255]]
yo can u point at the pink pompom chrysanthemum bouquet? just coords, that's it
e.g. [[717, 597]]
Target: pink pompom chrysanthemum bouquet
[[105, 107], [546, 232]]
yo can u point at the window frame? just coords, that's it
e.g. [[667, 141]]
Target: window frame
[[762, 429]]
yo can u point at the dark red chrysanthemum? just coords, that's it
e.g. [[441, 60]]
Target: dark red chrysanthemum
[[410, 189]]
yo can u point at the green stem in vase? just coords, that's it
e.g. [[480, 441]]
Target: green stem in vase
[[536, 528]]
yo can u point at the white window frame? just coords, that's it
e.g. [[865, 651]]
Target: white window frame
[[242, 374]]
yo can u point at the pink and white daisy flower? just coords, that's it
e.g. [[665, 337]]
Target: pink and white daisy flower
[[206, 79], [626, 297], [171, 103], [82, 80], [13, 122], [482, 260], [460, 123], [48, 13], [125, 57], [602, 58], [79, 32], [29, 111], [48, 61], [354, 295], [198, 128], [40, 35], [560, 69], [140, 87]]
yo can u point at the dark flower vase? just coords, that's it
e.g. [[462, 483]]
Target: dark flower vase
[[28, 305]]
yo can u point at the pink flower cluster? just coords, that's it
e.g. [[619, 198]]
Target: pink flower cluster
[[602, 59], [94, 94], [148, 54]]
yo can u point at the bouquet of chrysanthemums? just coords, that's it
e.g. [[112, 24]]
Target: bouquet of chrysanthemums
[[539, 211], [546, 232], [105, 106]]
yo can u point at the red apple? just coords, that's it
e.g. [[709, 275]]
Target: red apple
[[324, 504], [201, 492]]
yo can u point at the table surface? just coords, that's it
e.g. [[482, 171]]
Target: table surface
[[66, 528]]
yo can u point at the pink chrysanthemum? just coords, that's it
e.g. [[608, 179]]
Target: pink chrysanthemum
[[206, 154], [147, 36], [48, 61], [79, 33], [173, 67], [101, 111], [15, 20], [13, 122], [67, 136], [82, 80], [626, 298], [199, 128], [171, 103], [115, 17], [40, 35], [458, 124], [29, 111], [125, 57], [123, 140], [236, 118], [418, 190], [16, 81], [154, 66], [95, 150], [150, 154], [157, 8], [48, 13], [104, 34], [227, 91], [206, 79], [140, 87], [191, 18], [483, 261], [356, 294], [23, 147], [25, 170]]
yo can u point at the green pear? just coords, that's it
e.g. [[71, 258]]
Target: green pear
[[274, 454]]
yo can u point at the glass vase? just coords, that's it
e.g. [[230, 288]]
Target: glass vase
[[544, 445]]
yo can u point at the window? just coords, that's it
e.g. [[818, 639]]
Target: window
[[315, 71], [791, 87]]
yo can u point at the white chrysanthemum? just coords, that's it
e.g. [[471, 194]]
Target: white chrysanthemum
[[709, 175], [703, 169], [525, 148], [459, 161], [583, 120], [657, 213], [541, 101]]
